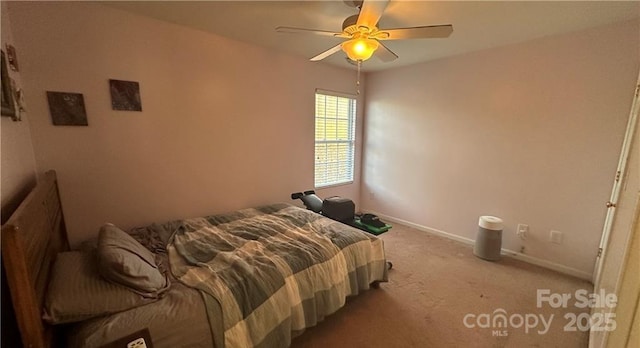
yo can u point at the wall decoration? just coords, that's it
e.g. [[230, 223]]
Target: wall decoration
[[21, 105], [8, 103], [12, 57], [18, 101], [125, 95], [67, 109]]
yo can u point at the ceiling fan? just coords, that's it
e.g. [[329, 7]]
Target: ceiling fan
[[363, 35]]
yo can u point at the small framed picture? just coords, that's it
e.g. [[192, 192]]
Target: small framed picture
[[125, 95], [8, 102], [67, 109], [12, 57]]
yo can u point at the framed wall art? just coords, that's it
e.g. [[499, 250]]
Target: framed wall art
[[8, 102], [125, 95], [12, 57], [67, 109]]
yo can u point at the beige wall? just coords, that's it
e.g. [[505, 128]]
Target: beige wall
[[17, 159], [225, 125], [528, 132]]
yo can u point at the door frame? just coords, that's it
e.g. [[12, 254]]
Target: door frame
[[618, 181], [598, 339]]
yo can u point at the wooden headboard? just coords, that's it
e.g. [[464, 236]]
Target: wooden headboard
[[31, 239]]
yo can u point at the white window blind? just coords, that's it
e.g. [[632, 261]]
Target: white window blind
[[335, 139]]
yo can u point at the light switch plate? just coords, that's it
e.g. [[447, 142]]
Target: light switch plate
[[555, 237]]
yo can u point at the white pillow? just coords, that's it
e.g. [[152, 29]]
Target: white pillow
[[121, 259], [77, 291]]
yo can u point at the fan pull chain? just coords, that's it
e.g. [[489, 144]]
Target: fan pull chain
[[358, 78]]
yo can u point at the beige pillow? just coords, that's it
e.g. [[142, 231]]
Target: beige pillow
[[77, 292], [121, 259]]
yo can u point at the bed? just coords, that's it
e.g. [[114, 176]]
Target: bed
[[251, 278]]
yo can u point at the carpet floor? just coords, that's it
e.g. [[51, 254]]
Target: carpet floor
[[435, 284]]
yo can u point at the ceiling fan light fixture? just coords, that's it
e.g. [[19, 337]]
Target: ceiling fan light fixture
[[360, 48], [362, 32]]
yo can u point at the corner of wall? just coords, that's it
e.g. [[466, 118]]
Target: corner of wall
[[17, 154]]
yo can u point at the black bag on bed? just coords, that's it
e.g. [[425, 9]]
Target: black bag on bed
[[310, 200], [339, 209]]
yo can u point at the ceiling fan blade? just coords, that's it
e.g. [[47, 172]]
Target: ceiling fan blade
[[327, 53], [426, 32], [371, 12], [385, 54], [307, 31]]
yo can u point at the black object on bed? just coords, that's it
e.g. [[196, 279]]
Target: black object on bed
[[310, 200], [336, 208], [343, 210]]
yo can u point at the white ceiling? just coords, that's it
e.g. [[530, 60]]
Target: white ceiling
[[477, 25]]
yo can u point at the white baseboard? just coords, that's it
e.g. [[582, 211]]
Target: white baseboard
[[506, 252]]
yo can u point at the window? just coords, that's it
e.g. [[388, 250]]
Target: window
[[335, 139]]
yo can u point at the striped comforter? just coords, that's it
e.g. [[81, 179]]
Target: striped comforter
[[273, 270]]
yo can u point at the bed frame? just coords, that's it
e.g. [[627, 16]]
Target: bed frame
[[31, 239]]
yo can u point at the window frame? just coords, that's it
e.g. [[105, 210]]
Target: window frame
[[351, 141]]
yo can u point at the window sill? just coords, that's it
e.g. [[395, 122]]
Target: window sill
[[334, 185]]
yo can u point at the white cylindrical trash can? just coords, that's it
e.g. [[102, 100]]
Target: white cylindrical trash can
[[489, 238]]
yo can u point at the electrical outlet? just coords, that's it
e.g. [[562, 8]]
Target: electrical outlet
[[555, 237], [522, 231], [137, 343]]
